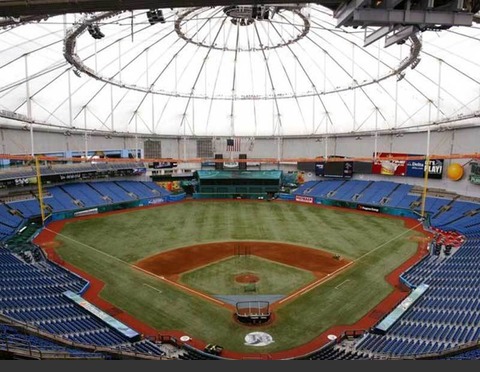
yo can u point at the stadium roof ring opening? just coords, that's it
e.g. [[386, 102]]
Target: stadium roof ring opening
[[210, 28], [188, 23]]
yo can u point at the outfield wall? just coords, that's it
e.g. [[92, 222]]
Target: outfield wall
[[114, 207], [401, 212]]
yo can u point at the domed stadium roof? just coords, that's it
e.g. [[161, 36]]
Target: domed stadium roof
[[218, 71]]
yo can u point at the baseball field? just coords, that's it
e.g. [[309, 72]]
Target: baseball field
[[172, 266]]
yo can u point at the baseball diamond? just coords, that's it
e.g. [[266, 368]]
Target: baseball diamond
[[139, 258]]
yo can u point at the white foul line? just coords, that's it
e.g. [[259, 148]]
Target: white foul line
[[331, 275], [139, 268]]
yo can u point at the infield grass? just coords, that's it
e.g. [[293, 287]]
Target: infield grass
[[106, 247], [219, 278]]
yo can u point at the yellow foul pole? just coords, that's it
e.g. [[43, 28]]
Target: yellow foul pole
[[40, 189], [425, 185], [425, 178]]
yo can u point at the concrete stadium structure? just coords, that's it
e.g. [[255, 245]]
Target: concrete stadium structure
[[444, 141]]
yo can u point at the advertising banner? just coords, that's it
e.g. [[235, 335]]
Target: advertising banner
[[304, 199], [86, 212], [407, 168], [390, 167], [155, 201], [319, 169], [416, 168], [368, 208], [391, 318], [164, 164], [106, 318], [348, 169], [475, 173]]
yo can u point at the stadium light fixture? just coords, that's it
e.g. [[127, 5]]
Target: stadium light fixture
[[155, 16], [94, 31], [415, 63]]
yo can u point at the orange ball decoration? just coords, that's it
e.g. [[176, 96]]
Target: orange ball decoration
[[455, 171]]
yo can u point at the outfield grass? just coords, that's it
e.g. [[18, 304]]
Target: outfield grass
[[379, 244], [219, 278]]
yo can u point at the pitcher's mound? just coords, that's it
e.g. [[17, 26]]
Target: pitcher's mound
[[247, 278]]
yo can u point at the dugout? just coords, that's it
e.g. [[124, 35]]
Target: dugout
[[237, 184]]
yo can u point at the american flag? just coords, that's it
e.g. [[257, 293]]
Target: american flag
[[233, 144]]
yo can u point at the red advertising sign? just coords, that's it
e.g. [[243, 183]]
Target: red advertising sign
[[390, 167], [304, 199]]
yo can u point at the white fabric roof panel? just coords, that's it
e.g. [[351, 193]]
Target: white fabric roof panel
[[217, 78]]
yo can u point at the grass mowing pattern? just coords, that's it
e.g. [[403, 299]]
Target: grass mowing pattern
[[219, 278], [134, 235]]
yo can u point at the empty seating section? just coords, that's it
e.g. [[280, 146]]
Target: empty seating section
[[335, 353], [159, 190], [458, 216], [59, 200], [467, 355], [189, 353], [72, 197], [27, 172], [5, 232], [397, 195], [433, 205], [437, 204], [141, 190], [349, 189], [446, 316], [455, 211], [112, 190], [9, 219], [375, 192], [143, 346], [9, 223], [20, 340], [32, 293], [47, 275], [89, 197], [28, 208], [367, 192], [62, 198], [407, 201], [394, 195], [323, 189], [305, 187]]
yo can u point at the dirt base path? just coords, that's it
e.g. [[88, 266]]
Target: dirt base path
[[175, 262]]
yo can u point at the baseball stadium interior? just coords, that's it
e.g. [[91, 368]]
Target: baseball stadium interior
[[218, 180]]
